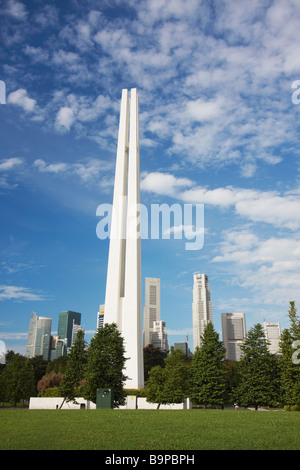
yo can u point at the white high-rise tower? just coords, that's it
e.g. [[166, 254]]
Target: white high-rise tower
[[123, 298], [202, 307], [152, 307], [273, 334], [234, 334]]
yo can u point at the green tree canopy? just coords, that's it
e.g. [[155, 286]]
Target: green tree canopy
[[259, 382], [153, 357], [208, 376], [17, 380], [75, 369], [289, 361], [169, 384], [105, 364]]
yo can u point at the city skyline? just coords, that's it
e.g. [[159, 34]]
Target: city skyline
[[219, 126], [233, 332]]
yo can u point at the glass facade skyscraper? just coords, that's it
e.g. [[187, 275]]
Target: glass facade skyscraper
[[39, 337], [65, 325]]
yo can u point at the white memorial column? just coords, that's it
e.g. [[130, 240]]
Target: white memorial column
[[132, 311], [123, 299], [116, 257]]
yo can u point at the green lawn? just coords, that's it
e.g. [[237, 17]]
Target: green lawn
[[149, 429]]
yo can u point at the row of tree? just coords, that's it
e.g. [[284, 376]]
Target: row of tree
[[258, 379]]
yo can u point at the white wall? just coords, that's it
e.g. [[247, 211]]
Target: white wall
[[132, 402], [45, 403]]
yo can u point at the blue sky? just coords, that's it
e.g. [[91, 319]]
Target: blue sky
[[218, 127]]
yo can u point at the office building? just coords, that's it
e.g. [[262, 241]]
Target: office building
[[159, 335], [272, 334], [58, 347], [184, 347], [100, 317], [75, 330], [39, 337], [65, 325], [152, 307], [202, 307], [234, 333]]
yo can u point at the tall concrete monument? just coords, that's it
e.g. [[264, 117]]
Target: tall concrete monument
[[123, 298]]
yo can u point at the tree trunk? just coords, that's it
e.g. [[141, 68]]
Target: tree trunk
[[62, 403]]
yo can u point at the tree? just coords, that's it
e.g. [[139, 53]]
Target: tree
[[168, 384], [75, 369], [153, 357], [17, 379], [259, 381], [105, 364], [27, 381], [289, 361], [155, 386], [177, 377], [208, 376], [51, 380], [39, 365]]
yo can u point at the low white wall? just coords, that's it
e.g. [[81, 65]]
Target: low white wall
[[143, 404], [132, 402], [45, 403]]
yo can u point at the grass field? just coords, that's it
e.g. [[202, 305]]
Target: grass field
[[149, 430]]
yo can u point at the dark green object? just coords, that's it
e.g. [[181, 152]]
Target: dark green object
[[105, 398]]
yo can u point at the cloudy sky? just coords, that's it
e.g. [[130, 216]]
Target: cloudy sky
[[219, 126]]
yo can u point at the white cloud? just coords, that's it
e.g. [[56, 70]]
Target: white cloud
[[268, 268], [37, 54], [64, 118], [89, 170], [64, 57], [10, 163], [163, 183], [8, 336], [50, 168], [16, 9], [19, 294], [201, 110], [21, 98], [256, 205], [6, 171]]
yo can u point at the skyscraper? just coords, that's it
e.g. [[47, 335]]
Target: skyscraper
[[65, 325], [39, 337], [152, 307], [123, 297], [159, 335], [184, 347], [75, 330], [234, 333], [100, 317], [272, 333], [202, 307]]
